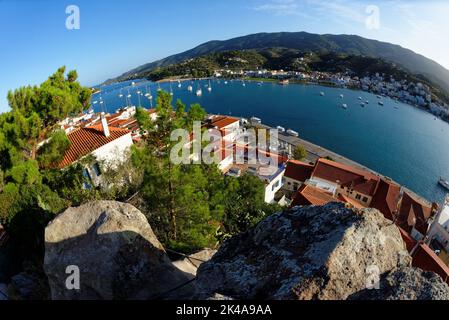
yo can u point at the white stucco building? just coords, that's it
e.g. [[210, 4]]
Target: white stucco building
[[108, 147]]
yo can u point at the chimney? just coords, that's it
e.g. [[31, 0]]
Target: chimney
[[104, 124]]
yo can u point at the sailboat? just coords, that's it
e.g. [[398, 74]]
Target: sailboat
[[146, 91], [243, 83], [159, 86], [190, 88], [199, 92], [179, 84], [171, 89], [209, 88], [128, 99], [120, 95]]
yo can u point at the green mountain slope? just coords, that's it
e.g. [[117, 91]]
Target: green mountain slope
[[303, 41]]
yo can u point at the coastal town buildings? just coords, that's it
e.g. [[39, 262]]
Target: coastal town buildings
[[331, 181]]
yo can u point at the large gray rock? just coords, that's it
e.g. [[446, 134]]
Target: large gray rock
[[116, 251], [324, 252], [407, 284]]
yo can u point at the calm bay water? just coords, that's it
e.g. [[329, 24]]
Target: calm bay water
[[406, 144]]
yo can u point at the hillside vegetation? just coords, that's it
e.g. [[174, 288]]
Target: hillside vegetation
[[352, 45]]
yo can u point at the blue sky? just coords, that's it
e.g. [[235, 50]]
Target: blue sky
[[115, 36]]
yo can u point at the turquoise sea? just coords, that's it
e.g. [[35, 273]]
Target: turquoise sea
[[400, 141]]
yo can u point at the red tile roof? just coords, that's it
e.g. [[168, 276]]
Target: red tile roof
[[85, 140], [222, 121], [413, 213], [360, 180], [427, 260], [409, 241], [386, 198], [351, 201], [298, 170], [309, 195]]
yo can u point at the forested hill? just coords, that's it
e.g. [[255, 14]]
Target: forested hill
[[303, 41]]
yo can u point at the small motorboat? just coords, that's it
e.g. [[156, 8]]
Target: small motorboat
[[360, 98], [444, 183], [322, 93], [292, 133], [342, 96], [344, 106], [190, 88], [366, 102], [280, 129], [380, 103], [362, 105]]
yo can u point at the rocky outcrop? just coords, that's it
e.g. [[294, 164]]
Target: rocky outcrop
[[327, 252], [116, 251], [406, 284]]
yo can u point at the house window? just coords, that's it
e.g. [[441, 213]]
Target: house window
[[358, 196], [97, 169], [87, 177], [365, 199], [295, 186], [275, 185]]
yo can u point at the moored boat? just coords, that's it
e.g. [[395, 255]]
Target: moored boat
[[444, 183], [280, 129], [256, 120], [293, 133]]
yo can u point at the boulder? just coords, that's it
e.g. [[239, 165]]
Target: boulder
[[326, 252], [406, 284], [115, 250]]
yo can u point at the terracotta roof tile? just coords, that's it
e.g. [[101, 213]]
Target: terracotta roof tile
[[413, 213], [85, 140], [427, 260], [386, 198], [309, 195], [346, 176], [298, 170], [222, 121]]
